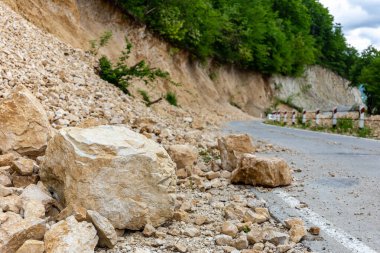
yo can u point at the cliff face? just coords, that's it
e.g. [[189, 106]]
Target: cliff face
[[76, 22]]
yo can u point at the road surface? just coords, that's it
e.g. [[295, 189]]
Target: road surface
[[339, 181]]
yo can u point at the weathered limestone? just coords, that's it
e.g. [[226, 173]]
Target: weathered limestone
[[32, 246], [269, 172], [23, 166], [15, 232], [106, 232], [231, 147], [122, 175], [71, 236], [183, 155], [24, 124]]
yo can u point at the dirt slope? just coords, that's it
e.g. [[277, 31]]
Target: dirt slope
[[78, 21]]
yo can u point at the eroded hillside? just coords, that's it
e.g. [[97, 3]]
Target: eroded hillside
[[204, 85]]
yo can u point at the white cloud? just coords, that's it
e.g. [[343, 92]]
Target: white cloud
[[360, 20]]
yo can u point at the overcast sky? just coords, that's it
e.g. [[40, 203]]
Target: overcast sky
[[360, 20]]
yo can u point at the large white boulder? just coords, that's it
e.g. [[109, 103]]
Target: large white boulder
[[24, 124], [121, 174]]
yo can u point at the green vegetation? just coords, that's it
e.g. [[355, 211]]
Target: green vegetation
[[344, 126], [104, 39], [145, 96], [270, 36], [206, 156], [121, 74], [171, 97]]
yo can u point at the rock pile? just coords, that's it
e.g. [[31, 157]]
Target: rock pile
[[88, 187]]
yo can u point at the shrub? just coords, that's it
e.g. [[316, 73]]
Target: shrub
[[145, 96], [171, 97], [95, 45], [121, 75]]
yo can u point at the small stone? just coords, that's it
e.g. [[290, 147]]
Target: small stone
[[181, 173], [241, 242], [80, 213], [149, 230], [23, 166], [289, 223], [297, 232], [106, 232], [223, 240], [33, 208], [253, 217], [32, 246], [314, 230], [24, 181], [181, 216], [7, 159], [180, 247], [255, 236], [5, 191], [191, 232], [200, 220], [212, 175], [228, 228], [5, 180]]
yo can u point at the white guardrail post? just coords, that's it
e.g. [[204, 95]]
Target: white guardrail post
[[304, 117], [293, 118], [317, 117], [361, 117], [285, 117], [334, 121]]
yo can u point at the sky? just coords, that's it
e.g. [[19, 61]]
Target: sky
[[360, 20]]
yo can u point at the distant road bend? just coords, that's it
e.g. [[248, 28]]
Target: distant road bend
[[339, 181]]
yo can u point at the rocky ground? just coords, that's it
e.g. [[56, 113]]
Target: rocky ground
[[38, 210]]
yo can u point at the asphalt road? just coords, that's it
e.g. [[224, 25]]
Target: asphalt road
[[339, 181]]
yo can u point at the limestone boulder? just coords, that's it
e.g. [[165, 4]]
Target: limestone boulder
[[15, 232], [183, 155], [24, 125], [262, 171], [121, 174], [231, 147], [71, 236]]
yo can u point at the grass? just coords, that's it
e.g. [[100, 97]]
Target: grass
[[344, 126], [171, 97]]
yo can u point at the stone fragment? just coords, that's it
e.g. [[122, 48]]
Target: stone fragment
[[33, 192], [255, 235], [200, 220], [122, 175], [231, 147], [314, 230], [71, 236], [11, 203], [149, 230], [275, 237], [262, 171], [24, 181], [32, 246], [24, 125], [183, 155], [23, 166], [254, 217], [5, 191], [224, 240], [297, 232], [16, 232], [106, 232], [289, 223], [181, 215], [180, 247], [33, 208], [78, 212], [191, 232], [228, 228], [5, 180], [241, 242], [7, 159]]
